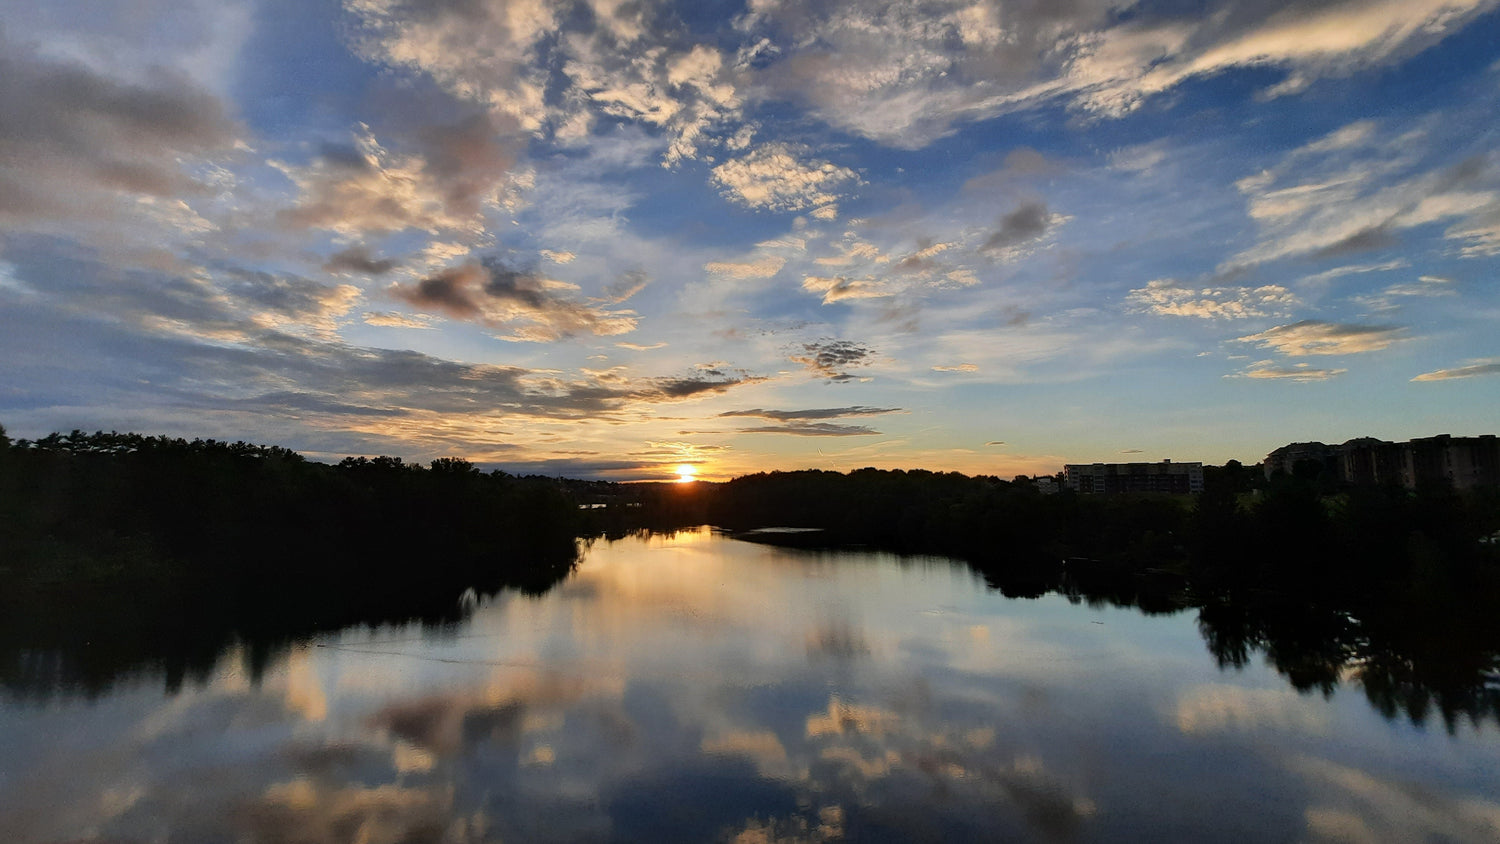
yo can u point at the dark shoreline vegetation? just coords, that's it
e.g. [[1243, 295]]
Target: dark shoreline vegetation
[[121, 553]]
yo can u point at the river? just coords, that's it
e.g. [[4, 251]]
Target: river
[[699, 688]]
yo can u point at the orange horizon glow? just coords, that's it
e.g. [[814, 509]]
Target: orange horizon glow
[[686, 473]]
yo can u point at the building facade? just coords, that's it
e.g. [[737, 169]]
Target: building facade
[[1114, 478], [1463, 462]]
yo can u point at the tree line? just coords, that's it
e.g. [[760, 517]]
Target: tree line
[[130, 550], [175, 547]]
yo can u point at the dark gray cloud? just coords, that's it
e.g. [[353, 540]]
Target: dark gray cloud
[[828, 358], [1029, 220], [70, 139], [493, 294], [357, 259], [813, 413], [812, 429]]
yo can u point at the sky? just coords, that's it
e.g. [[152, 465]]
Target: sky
[[606, 238]]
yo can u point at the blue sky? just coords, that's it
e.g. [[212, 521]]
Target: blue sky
[[606, 238]]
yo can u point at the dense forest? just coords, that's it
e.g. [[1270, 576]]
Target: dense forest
[[164, 549], [127, 550]]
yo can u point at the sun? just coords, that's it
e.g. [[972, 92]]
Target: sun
[[686, 474]]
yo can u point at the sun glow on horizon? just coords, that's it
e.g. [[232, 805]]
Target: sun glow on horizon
[[686, 474]]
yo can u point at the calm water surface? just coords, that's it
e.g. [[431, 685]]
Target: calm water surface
[[700, 688]]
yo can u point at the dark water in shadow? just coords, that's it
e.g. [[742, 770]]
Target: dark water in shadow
[[698, 688]]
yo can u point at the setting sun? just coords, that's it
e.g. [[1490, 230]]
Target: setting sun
[[686, 473]]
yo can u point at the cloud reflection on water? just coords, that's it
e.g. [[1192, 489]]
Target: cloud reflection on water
[[718, 690]]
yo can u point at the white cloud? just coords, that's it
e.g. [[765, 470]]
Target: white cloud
[[1165, 297], [1268, 370], [764, 266], [774, 177], [1426, 287], [903, 73], [1357, 189], [532, 62], [1314, 337], [388, 319], [1355, 269]]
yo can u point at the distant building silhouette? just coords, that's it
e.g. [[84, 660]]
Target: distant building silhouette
[[1464, 462], [1111, 478]]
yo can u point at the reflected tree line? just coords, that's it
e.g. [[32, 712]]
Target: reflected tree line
[[124, 553], [1397, 590]]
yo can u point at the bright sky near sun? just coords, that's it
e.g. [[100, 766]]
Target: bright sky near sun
[[610, 239]]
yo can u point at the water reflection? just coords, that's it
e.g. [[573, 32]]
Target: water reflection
[[696, 688]]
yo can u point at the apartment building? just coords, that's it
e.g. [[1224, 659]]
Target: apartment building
[[1113, 478]]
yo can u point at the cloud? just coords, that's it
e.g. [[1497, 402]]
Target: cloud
[[1165, 297], [556, 69], [1427, 286], [826, 358], [1483, 366], [626, 286], [773, 177], [995, 442], [444, 184], [495, 295], [289, 301], [1356, 192], [387, 319], [1020, 164], [764, 266], [78, 145], [558, 257], [638, 347], [957, 367], [812, 413], [811, 429], [1355, 269], [1314, 337], [838, 288], [897, 72], [357, 259], [184, 347], [904, 74], [1268, 370], [1027, 221]]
